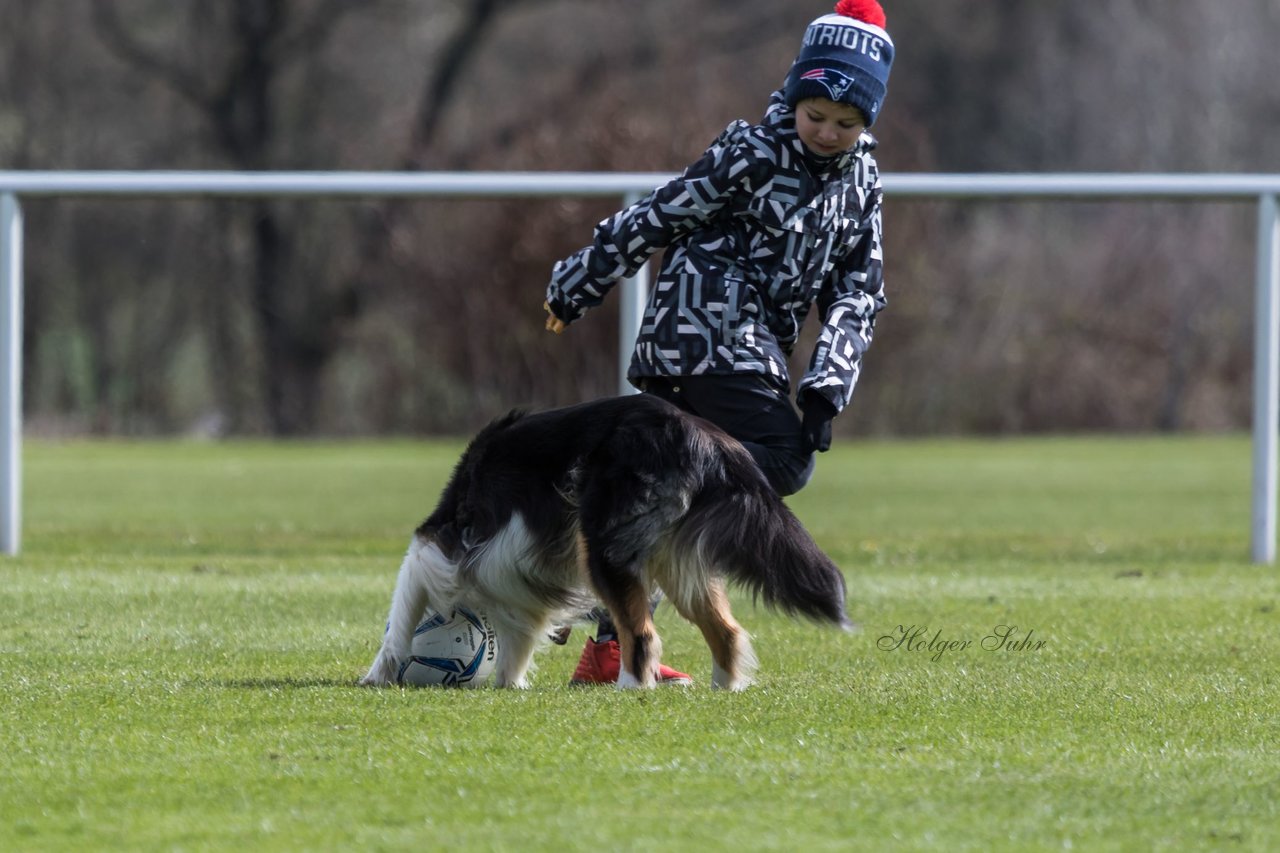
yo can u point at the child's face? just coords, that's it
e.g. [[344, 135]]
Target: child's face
[[826, 127]]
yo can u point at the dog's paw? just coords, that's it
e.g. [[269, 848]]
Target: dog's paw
[[724, 680], [382, 673], [627, 681], [520, 682]]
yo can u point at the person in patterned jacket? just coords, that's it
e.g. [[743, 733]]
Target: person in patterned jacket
[[773, 219]]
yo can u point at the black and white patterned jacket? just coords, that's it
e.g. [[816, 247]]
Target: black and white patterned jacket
[[758, 230]]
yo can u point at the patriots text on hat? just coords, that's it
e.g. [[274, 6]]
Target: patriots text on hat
[[850, 38]]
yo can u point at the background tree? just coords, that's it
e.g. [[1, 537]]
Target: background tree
[[226, 62], [371, 317]]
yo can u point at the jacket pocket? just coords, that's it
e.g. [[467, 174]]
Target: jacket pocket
[[775, 217], [731, 308], [849, 233]]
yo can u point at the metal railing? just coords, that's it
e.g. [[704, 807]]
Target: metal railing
[[1263, 190]]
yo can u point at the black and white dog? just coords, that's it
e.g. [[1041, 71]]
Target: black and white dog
[[547, 513]]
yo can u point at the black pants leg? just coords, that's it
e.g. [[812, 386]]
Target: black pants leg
[[751, 411]]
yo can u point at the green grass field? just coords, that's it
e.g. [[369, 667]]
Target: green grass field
[[183, 630]]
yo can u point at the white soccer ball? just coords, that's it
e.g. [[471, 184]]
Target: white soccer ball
[[456, 649]]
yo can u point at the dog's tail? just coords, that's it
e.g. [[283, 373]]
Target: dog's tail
[[740, 526]]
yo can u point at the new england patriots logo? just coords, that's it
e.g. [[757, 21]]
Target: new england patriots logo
[[835, 82]]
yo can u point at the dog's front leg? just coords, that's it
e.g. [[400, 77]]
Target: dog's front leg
[[517, 639], [407, 606]]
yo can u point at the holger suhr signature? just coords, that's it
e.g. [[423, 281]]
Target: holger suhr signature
[[920, 638]]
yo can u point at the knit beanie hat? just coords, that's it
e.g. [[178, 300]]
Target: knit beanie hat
[[845, 57]]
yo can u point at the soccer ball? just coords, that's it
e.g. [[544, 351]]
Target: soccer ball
[[451, 650]]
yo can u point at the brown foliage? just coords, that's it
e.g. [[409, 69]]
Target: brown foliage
[[376, 317]]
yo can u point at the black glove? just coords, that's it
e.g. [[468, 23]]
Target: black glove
[[815, 428]]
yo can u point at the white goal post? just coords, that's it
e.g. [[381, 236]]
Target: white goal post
[[1262, 189]]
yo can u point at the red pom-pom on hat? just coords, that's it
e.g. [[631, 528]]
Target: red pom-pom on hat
[[868, 11]]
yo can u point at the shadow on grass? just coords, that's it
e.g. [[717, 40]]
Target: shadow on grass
[[280, 683]]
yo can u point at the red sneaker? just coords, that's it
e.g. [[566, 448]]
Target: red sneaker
[[601, 662]]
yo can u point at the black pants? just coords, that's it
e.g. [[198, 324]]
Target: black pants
[[752, 412]]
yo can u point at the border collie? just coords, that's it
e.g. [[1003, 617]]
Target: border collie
[[547, 513]]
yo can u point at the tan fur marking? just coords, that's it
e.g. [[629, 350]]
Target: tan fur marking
[[583, 571], [636, 622], [721, 631]]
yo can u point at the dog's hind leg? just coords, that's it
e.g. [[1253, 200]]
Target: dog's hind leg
[[426, 574], [631, 497], [641, 648], [733, 661]]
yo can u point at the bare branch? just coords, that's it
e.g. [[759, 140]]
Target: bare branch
[[319, 26], [439, 88], [122, 43]]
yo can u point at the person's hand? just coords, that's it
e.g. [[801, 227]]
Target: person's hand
[[554, 323], [815, 426]]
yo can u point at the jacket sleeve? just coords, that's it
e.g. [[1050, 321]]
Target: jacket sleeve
[[848, 304], [627, 239]]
